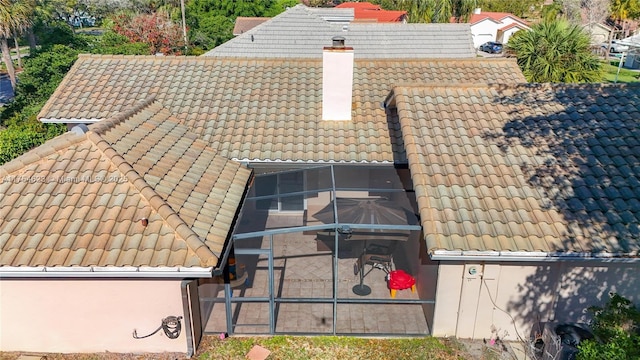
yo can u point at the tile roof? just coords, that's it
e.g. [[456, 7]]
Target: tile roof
[[302, 33], [332, 15], [368, 11], [262, 109], [495, 16], [550, 169], [77, 201]]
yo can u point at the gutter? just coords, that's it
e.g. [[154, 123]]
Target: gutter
[[219, 270], [70, 120], [289, 161], [522, 256], [104, 272]]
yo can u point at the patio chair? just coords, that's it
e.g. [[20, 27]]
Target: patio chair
[[378, 256]]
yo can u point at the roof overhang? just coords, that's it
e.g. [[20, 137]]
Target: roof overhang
[[105, 272], [529, 256], [600, 25], [312, 162]]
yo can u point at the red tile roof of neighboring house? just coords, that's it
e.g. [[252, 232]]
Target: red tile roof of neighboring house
[[495, 16], [368, 11]]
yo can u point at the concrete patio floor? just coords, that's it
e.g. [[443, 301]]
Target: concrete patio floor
[[303, 269]]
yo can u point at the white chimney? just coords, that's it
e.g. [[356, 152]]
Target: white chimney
[[337, 81], [477, 11]]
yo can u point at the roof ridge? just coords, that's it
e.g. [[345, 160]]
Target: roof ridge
[[40, 152], [455, 86], [156, 202], [280, 59], [389, 100], [298, 8], [102, 126]]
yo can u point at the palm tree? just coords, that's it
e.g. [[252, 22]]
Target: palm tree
[[43, 11], [440, 11], [461, 10], [14, 18], [555, 51]]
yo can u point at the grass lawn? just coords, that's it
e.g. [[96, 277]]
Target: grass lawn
[[625, 75], [331, 347], [300, 347]]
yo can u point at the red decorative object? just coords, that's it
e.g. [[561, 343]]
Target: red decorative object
[[400, 280]]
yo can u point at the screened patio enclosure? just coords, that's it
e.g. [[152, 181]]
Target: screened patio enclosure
[[311, 253]]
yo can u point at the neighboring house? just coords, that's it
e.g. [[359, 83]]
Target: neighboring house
[[632, 55], [302, 32], [368, 12], [342, 16], [527, 195], [494, 26], [244, 24], [598, 32]]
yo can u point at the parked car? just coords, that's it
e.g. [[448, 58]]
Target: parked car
[[616, 47], [492, 47]]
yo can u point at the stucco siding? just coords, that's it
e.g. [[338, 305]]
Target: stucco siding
[[510, 300], [484, 31], [88, 315], [598, 34], [447, 299], [508, 21], [508, 34]]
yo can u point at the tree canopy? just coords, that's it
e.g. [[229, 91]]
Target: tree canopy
[[616, 326], [15, 17], [432, 11], [556, 51]]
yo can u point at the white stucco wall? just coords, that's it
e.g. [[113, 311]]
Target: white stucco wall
[[598, 34], [507, 21], [508, 34], [508, 300], [487, 30], [88, 315], [484, 31]]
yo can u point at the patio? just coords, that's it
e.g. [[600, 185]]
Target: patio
[[305, 298], [303, 271]]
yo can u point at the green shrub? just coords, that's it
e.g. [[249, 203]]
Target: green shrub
[[616, 327], [18, 139]]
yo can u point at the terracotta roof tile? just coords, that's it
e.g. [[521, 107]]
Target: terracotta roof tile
[[247, 111], [77, 201], [532, 167]]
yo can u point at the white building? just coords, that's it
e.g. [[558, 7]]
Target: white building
[[494, 26]]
